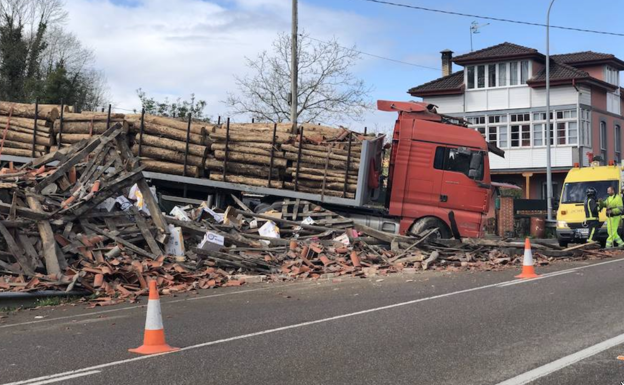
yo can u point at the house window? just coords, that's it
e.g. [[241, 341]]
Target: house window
[[503, 136], [471, 75], [513, 73], [497, 124], [502, 74], [603, 140], [617, 138], [612, 76], [555, 190], [538, 134], [585, 129], [481, 76], [524, 71], [521, 135], [492, 75]]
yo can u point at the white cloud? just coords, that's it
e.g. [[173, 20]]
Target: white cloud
[[175, 48]]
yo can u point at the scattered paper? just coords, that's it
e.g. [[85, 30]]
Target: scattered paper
[[124, 203], [344, 239], [107, 205], [307, 221], [179, 214], [269, 230]]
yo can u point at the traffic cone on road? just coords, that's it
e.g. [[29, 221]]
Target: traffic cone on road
[[528, 271], [154, 337]]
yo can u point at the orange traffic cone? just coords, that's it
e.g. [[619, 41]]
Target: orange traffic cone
[[528, 271], [154, 337]]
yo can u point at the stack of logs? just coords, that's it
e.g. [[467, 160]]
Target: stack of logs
[[242, 153], [26, 130]]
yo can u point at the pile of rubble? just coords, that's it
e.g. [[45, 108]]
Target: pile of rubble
[[84, 218]]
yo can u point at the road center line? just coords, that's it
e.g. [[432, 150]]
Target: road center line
[[561, 363], [296, 326]]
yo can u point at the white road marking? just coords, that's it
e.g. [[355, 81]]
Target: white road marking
[[294, 326], [561, 363], [553, 274], [51, 379], [142, 306]]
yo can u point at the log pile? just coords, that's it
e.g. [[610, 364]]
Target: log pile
[[322, 160], [24, 135]]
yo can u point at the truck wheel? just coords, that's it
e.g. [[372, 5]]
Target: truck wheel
[[563, 243], [430, 223]]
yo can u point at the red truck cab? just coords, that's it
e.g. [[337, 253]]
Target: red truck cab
[[439, 172]]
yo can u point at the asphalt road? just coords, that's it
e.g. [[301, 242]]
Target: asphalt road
[[429, 328]]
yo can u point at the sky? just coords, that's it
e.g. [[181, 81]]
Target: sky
[[173, 48]]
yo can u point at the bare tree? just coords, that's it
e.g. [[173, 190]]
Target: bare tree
[[327, 89]]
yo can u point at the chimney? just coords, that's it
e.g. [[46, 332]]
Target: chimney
[[447, 62]]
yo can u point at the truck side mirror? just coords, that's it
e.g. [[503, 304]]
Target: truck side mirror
[[475, 165]]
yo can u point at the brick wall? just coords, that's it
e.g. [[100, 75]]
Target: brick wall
[[506, 216]]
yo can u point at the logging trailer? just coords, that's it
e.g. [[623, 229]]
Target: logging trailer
[[438, 177]]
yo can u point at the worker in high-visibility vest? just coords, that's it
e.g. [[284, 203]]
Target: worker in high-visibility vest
[[613, 204], [591, 214]]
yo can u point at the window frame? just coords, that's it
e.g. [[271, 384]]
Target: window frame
[[617, 139], [500, 80]]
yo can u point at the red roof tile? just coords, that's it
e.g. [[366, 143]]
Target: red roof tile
[[452, 82], [501, 51]]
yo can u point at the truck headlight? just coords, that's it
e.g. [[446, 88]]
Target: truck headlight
[[562, 225]]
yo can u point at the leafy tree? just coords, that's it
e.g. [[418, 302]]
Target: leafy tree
[[13, 55], [178, 109], [327, 89]]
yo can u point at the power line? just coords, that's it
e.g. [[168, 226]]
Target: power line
[[375, 56], [493, 18]]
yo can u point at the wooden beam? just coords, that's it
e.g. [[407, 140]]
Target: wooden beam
[[121, 241], [149, 238], [16, 251], [53, 265]]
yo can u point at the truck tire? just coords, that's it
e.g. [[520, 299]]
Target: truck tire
[[563, 243], [429, 223]]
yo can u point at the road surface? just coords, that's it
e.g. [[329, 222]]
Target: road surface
[[428, 328]]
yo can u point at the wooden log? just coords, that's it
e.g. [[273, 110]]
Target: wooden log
[[332, 163], [23, 146], [23, 122], [251, 138], [44, 133], [250, 158], [246, 149], [169, 168], [316, 190], [87, 116], [320, 154], [355, 149], [28, 138], [182, 125], [73, 138], [28, 111], [156, 141], [242, 179], [167, 132], [311, 169], [328, 186], [240, 168], [318, 179], [20, 152], [163, 154], [80, 127], [312, 129]]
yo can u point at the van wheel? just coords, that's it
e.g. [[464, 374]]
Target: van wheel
[[563, 244], [430, 223]]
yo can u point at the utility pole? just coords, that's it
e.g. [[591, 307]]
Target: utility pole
[[294, 69], [549, 192]]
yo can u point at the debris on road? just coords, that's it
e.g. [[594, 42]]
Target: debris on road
[[82, 216]]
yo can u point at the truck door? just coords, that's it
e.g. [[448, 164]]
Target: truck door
[[459, 190]]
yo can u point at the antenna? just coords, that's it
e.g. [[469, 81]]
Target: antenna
[[474, 29]]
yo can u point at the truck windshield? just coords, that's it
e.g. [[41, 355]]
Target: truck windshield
[[452, 159], [577, 191]]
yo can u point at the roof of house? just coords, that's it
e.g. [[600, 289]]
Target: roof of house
[[446, 84], [561, 69], [588, 58], [500, 51]]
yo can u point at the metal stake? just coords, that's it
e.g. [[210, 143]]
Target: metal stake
[[34, 140], [60, 135], [272, 154], [108, 117], [142, 129], [344, 191], [227, 145], [299, 158]]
